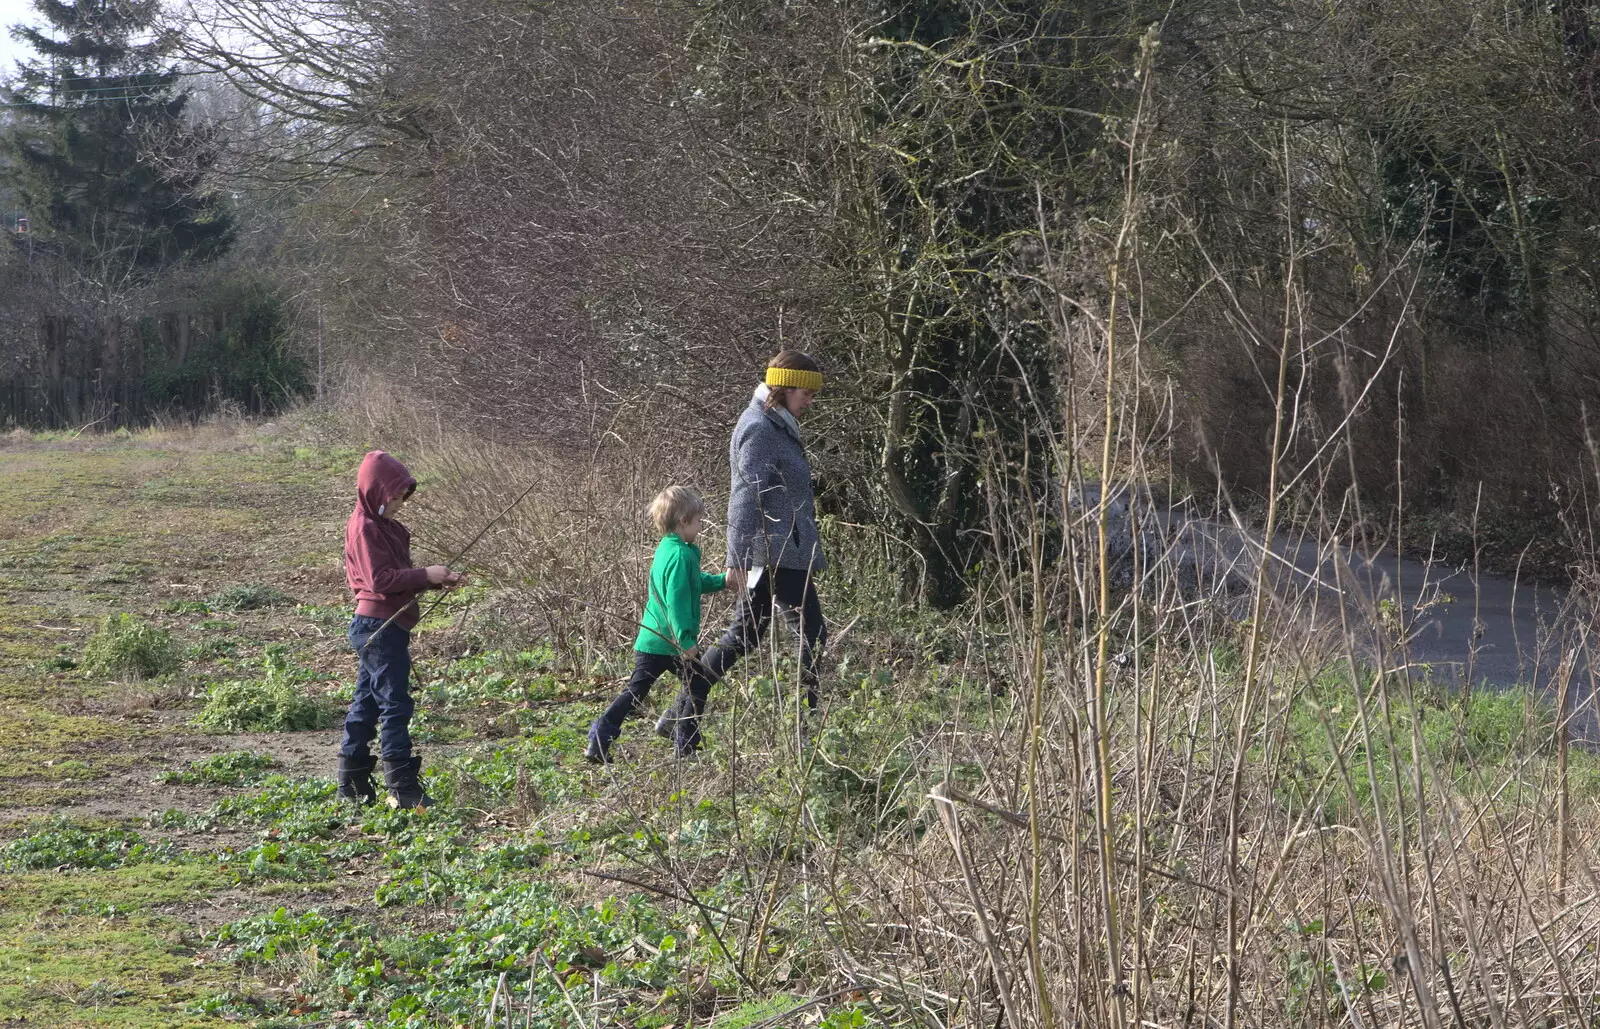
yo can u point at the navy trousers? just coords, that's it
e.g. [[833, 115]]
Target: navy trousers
[[793, 593], [647, 668], [383, 691]]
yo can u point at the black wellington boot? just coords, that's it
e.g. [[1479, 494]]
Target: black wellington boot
[[598, 752], [405, 783], [667, 724], [355, 780]]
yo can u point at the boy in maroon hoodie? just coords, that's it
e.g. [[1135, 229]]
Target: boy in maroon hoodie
[[377, 564]]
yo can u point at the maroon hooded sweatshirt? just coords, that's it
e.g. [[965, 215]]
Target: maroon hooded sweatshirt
[[377, 550]]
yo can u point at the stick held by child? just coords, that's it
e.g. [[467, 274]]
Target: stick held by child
[[377, 564]]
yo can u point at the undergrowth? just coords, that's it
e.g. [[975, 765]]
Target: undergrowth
[[233, 768], [500, 873], [63, 845], [1476, 742], [823, 871], [248, 596]]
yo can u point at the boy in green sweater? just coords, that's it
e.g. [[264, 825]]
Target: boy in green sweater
[[669, 636]]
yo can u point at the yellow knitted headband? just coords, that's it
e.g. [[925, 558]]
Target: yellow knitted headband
[[795, 377]]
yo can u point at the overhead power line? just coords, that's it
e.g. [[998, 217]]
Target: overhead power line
[[89, 100], [70, 91], [85, 91], [97, 94]]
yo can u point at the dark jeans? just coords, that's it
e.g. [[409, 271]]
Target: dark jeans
[[792, 591], [383, 691], [647, 668]]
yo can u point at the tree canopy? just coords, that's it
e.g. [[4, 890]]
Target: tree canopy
[[102, 157]]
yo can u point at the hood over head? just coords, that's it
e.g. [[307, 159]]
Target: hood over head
[[382, 478]]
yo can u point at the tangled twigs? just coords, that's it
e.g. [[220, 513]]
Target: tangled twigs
[[460, 554]]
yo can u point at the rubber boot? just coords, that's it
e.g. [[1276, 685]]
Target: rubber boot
[[355, 780], [686, 734], [667, 724], [598, 752], [405, 783]]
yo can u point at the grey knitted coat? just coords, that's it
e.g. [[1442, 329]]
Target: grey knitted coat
[[772, 516]]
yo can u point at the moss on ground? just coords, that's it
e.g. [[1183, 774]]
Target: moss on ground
[[90, 948], [32, 739], [131, 889], [192, 516]]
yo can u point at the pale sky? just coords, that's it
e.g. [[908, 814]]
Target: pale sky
[[12, 12]]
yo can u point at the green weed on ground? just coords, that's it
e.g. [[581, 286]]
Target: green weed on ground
[[1477, 741], [128, 647], [486, 887], [277, 702], [63, 845], [234, 768], [249, 596], [630, 953], [262, 706], [332, 619]]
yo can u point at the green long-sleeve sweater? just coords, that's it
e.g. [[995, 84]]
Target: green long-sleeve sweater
[[671, 622]]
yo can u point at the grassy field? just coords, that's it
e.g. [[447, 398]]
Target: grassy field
[[172, 855], [114, 871], [931, 851]]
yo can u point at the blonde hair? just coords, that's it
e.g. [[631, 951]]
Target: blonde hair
[[673, 506]]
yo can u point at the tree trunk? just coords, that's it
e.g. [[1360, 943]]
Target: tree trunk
[[53, 331], [111, 366], [185, 327]]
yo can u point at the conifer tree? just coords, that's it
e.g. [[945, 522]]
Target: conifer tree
[[92, 108]]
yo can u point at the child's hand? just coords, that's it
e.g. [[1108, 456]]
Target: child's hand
[[736, 578], [441, 575]]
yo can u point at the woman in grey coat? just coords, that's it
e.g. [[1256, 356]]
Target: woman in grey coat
[[772, 531]]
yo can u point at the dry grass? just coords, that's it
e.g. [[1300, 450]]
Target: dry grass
[[1373, 875], [1129, 807]]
